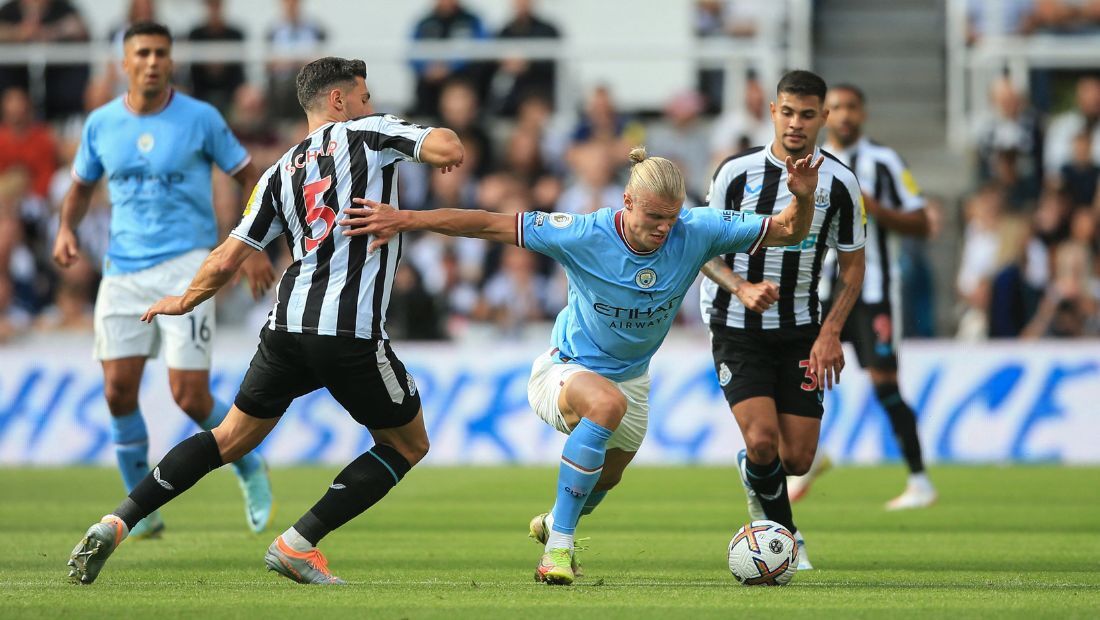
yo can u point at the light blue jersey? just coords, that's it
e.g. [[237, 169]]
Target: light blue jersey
[[158, 175], [622, 302]]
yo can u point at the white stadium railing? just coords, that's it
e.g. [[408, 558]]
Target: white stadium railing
[[775, 48], [972, 69]]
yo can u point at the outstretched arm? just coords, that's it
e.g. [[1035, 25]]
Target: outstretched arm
[[383, 221], [216, 271]]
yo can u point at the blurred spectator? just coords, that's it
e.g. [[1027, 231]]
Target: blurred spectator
[[45, 21], [978, 262], [996, 18], [215, 82], [524, 162], [1020, 191], [292, 34], [683, 137], [1052, 217], [1084, 118], [516, 78], [448, 19], [536, 114], [739, 128], [139, 11], [25, 142], [460, 110], [516, 295], [251, 123], [1015, 289], [593, 185], [1078, 176], [602, 123], [414, 313], [1053, 17], [1009, 124], [738, 19]]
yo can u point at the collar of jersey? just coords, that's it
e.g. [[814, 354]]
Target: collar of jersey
[[620, 228], [779, 162], [310, 134], [131, 110]]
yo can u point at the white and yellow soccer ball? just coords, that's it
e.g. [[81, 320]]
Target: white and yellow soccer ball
[[763, 553]]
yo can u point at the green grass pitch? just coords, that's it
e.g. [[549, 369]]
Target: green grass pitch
[[451, 542]]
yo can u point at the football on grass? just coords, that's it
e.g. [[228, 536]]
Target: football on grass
[[763, 553]]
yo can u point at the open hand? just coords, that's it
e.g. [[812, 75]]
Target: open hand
[[374, 218], [260, 274], [802, 175]]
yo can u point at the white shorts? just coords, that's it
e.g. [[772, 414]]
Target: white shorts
[[547, 379], [122, 299]]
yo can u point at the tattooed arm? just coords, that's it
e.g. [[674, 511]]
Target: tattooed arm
[[827, 356]]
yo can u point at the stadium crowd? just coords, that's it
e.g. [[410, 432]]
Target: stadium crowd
[[1029, 266]]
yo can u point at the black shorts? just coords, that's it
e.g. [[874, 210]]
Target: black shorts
[[364, 376], [870, 329], [768, 362]]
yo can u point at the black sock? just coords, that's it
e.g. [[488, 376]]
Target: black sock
[[359, 486], [770, 481], [904, 422], [178, 471]]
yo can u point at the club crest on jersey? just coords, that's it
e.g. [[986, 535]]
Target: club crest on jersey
[[821, 198], [411, 384], [724, 374], [560, 220], [646, 278], [145, 142]]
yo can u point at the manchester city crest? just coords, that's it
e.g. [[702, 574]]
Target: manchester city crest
[[145, 142], [724, 374], [821, 198], [646, 278]]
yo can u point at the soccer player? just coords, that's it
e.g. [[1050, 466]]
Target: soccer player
[[156, 147], [772, 352], [894, 207], [628, 271], [327, 328]]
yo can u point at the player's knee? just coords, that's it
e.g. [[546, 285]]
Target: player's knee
[[413, 449], [762, 445], [197, 404], [608, 481], [606, 408], [798, 464], [122, 396]]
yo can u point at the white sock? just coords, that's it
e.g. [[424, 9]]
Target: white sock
[[557, 540], [550, 521], [920, 481], [296, 541]]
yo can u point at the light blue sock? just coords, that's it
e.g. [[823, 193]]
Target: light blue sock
[[593, 500], [581, 464], [247, 463], [131, 447]]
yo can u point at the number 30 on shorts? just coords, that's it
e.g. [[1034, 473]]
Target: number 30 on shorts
[[810, 382]]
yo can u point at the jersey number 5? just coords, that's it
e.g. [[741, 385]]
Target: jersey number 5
[[313, 193]]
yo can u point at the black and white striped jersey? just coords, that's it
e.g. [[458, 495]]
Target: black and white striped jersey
[[334, 287], [884, 176], [755, 181]]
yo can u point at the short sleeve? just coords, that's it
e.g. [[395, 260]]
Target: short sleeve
[[548, 233], [87, 166], [848, 232], [906, 192], [261, 223], [396, 138], [221, 146], [730, 232]]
